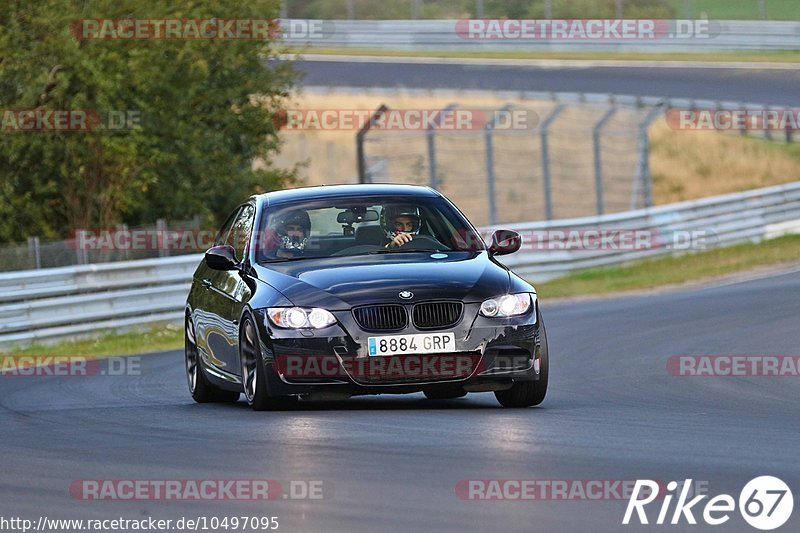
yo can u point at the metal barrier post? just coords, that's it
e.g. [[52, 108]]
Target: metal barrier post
[[360, 157], [433, 179], [34, 252], [548, 196], [161, 230], [490, 176], [598, 164], [643, 177]]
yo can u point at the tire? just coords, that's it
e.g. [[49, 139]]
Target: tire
[[529, 393], [254, 381], [200, 388], [444, 394]]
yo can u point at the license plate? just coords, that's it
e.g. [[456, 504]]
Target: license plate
[[407, 344]]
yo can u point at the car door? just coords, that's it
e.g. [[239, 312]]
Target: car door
[[213, 308], [231, 288]]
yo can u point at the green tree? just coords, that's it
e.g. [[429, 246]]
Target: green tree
[[205, 112]]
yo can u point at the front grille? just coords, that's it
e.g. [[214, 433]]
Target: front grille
[[436, 315], [381, 317]]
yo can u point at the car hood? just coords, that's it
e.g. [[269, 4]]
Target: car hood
[[339, 283]]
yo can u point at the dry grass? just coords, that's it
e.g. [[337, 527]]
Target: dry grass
[[684, 165], [695, 164]]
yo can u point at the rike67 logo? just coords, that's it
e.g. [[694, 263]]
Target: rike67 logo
[[765, 503]]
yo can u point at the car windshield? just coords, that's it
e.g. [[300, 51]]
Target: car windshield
[[348, 226]]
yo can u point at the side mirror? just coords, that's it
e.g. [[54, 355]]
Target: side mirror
[[505, 242], [222, 257]]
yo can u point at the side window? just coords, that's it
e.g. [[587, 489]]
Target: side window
[[239, 236], [222, 236]]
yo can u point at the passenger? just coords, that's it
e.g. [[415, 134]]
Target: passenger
[[293, 230]]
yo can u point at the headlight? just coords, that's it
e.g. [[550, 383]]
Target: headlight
[[508, 305], [297, 317]]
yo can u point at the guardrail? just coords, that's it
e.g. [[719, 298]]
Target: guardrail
[[454, 35], [719, 221], [69, 301]]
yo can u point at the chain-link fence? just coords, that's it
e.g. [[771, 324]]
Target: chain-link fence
[[576, 155], [121, 243], [571, 159]]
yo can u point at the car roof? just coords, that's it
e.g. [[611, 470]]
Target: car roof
[[333, 191]]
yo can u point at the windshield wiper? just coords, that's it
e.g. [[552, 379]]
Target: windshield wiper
[[284, 259], [401, 251]]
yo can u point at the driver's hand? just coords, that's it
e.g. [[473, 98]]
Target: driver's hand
[[400, 240]]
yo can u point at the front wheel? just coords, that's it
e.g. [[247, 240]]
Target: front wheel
[[528, 393], [254, 381]]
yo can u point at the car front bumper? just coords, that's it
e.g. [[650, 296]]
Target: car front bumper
[[489, 354]]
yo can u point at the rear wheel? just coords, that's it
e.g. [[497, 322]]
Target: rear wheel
[[201, 389], [528, 393], [254, 382]]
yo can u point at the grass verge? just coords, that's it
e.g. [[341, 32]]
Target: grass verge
[[778, 56], [674, 270], [155, 339], [687, 165]]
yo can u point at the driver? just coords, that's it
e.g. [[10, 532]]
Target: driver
[[293, 231], [400, 224]]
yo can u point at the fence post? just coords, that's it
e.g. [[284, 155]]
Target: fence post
[[79, 238], [643, 177], [126, 253], [598, 164], [618, 8], [415, 9], [360, 157], [433, 179], [548, 196], [762, 9], [34, 253], [490, 176], [161, 229], [688, 9], [743, 131], [767, 131]]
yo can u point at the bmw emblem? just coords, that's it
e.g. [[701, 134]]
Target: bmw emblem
[[406, 295]]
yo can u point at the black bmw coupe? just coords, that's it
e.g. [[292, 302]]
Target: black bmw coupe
[[333, 291]]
